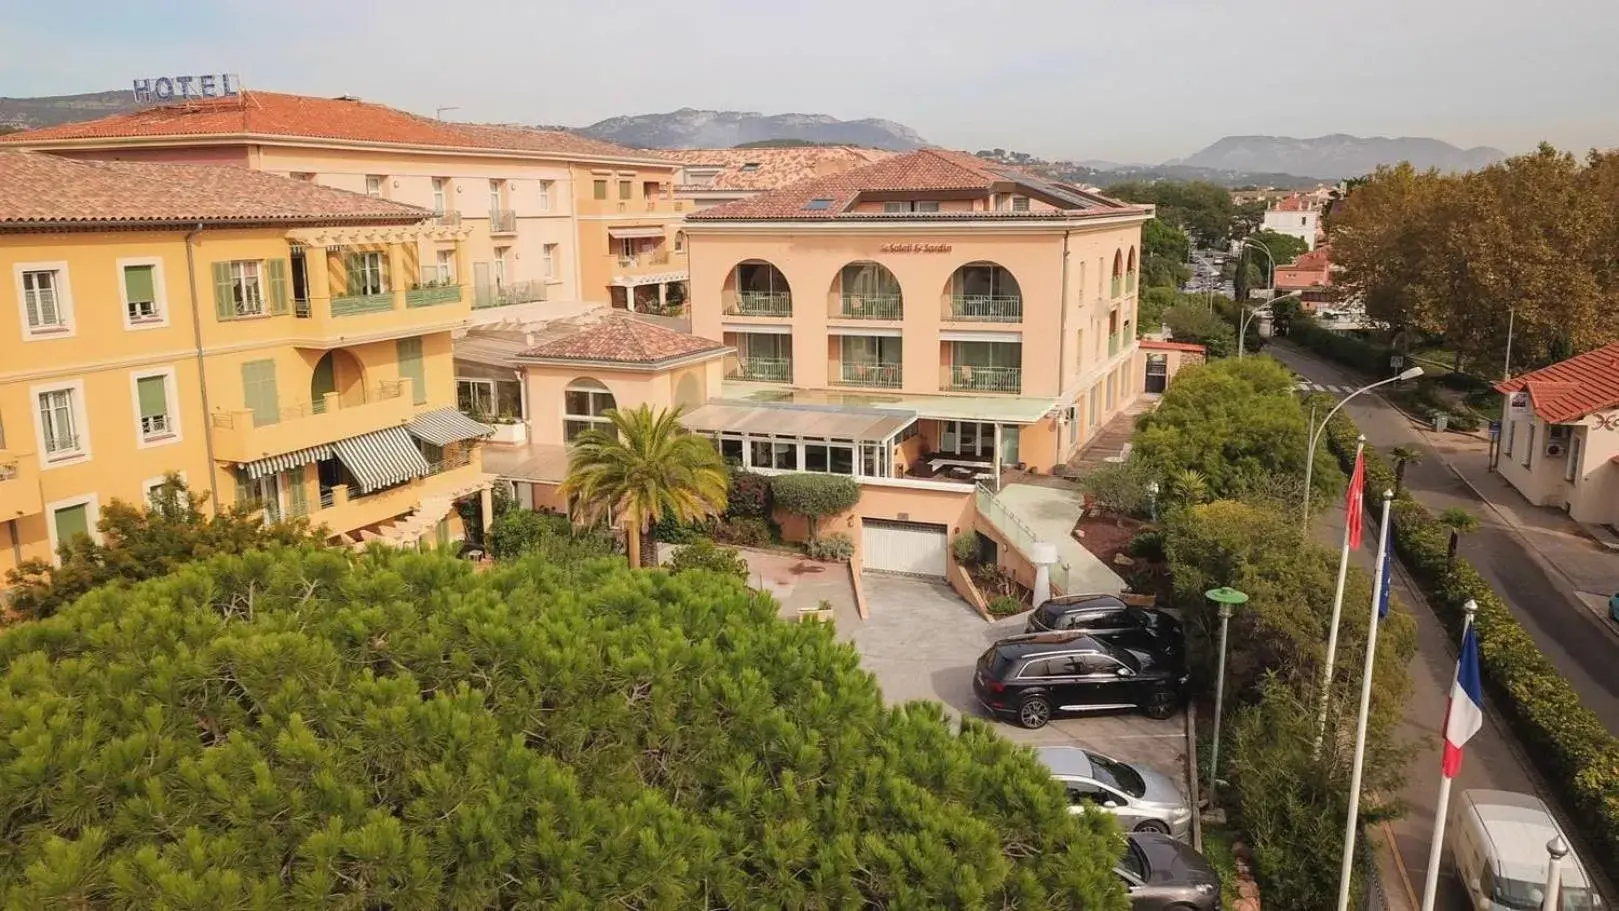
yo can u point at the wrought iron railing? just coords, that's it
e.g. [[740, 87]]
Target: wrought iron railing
[[872, 306], [382, 391], [1017, 532], [433, 296], [507, 295], [356, 304], [764, 369], [762, 303], [502, 221], [969, 378], [989, 308], [449, 218], [885, 376]]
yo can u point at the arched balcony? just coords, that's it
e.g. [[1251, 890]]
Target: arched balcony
[[1117, 286], [756, 288], [983, 292], [866, 290], [1131, 269]]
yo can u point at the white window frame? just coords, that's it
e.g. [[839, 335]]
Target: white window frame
[[373, 264], [548, 253], [81, 424], [248, 304], [170, 434], [595, 420], [444, 266], [65, 326], [153, 483], [484, 387], [92, 514], [1571, 468], [1529, 452], [375, 185], [680, 242], [159, 320], [545, 195], [441, 194], [498, 266], [497, 198]]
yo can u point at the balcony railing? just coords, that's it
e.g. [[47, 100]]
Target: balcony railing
[[989, 308], [502, 221], [636, 260], [765, 369], [1113, 344], [1129, 283], [433, 295], [763, 303], [872, 306], [449, 218], [968, 378], [508, 295], [1117, 286], [884, 376], [385, 390], [356, 304]]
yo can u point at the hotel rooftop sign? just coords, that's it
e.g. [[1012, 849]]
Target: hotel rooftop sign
[[169, 88]]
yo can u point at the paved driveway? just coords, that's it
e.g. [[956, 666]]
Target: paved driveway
[[922, 642]]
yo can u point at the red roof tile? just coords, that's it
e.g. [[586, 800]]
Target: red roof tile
[[768, 169], [1150, 344], [1569, 390], [305, 117], [36, 188], [917, 172], [1294, 203], [625, 340]]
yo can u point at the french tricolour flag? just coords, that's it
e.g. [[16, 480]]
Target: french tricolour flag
[[1466, 712]]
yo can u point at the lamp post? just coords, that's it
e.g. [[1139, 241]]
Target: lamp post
[[1242, 330], [1315, 430], [1152, 499], [1506, 367], [1556, 850], [1228, 599]]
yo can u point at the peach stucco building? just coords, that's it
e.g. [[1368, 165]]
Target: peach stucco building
[[1559, 440], [261, 337], [550, 216]]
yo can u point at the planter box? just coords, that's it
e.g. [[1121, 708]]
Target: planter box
[[510, 434], [814, 615]]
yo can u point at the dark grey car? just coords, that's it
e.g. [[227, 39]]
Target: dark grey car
[[1163, 874]]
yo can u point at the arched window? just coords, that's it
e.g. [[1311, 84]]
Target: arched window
[[757, 288], [1118, 273], [680, 241], [867, 290], [984, 292], [585, 404], [1130, 270]]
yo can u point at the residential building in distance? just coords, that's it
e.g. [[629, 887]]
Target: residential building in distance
[[265, 338], [1296, 215], [1560, 435], [714, 177], [551, 216], [1310, 277]]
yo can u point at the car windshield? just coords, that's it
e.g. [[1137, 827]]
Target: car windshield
[[1134, 861], [1116, 775], [1527, 896]]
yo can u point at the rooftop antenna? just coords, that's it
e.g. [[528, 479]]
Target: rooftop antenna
[[438, 113]]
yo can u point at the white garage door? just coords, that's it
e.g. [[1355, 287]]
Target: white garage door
[[903, 547]]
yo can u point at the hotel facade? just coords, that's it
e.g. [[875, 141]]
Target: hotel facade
[[260, 337]]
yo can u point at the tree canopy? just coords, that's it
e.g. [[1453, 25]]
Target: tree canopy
[[1454, 254], [1202, 209], [296, 729], [1164, 252]]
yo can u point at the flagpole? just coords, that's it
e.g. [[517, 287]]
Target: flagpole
[[1347, 867], [1430, 881], [1338, 603]]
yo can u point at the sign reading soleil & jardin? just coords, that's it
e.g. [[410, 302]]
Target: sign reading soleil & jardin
[[166, 88], [914, 248]]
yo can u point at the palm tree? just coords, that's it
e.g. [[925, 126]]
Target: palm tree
[[1189, 486], [1460, 522], [645, 467], [1403, 456]]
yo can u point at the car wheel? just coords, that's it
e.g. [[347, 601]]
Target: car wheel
[[1160, 705], [1034, 712], [1153, 825]]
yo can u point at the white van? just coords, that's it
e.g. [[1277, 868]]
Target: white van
[[1497, 841]]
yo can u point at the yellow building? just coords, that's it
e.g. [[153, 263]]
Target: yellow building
[[553, 218], [267, 339]]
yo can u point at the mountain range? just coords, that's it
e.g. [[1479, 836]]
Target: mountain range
[[1334, 156], [690, 128]]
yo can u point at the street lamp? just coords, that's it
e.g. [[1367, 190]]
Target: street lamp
[[1228, 598], [1506, 367], [1242, 331], [1410, 373]]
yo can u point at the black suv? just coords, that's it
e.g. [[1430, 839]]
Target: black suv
[[1028, 678], [1103, 615]]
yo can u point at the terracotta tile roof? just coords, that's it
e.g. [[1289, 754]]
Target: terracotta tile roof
[[624, 340], [767, 169], [37, 188], [306, 117], [1152, 344], [914, 172], [1569, 390], [1294, 203]]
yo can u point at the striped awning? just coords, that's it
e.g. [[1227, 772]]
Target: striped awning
[[381, 458], [287, 461], [443, 426]]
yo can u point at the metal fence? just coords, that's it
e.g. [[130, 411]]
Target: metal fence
[[1017, 532]]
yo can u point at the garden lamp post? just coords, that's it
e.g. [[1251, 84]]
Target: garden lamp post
[[1556, 850], [1152, 499], [1315, 431], [1228, 599]]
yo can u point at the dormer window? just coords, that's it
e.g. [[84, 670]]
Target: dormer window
[[1020, 204], [750, 167], [818, 204]]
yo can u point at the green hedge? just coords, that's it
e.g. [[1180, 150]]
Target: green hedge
[[1572, 748], [1345, 349]]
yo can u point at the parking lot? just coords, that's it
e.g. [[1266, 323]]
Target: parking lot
[[922, 642]]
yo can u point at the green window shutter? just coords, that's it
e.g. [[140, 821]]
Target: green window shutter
[[153, 396], [138, 284], [224, 292], [74, 520], [356, 282], [600, 189], [259, 392], [277, 269], [412, 367]]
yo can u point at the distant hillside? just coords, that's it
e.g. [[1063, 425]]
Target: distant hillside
[[1091, 172], [1335, 156], [45, 111], [689, 128]]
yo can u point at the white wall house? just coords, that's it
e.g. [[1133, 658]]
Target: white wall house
[[1295, 216], [1560, 435]]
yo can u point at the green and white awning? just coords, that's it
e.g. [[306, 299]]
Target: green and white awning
[[287, 461], [381, 458], [443, 426]]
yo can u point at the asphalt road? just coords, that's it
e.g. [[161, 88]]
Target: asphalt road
[[1493, 759]]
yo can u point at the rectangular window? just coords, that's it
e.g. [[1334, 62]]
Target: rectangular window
[[152, 394], [441, 189], [259, 393], [58, 421], [475, 396], [500, 265], [927, 207], [368, 274], [624, 189], [140, 294], [247, 287], [444, 267], [545, 195], [495, 200], [584, 408], [892, 208], [550, 260], [770, 454], [599, 189], [71, 522], [412, 367], [373, 184], [42, 301], [1571, 469], [1020, 204], [1529, 451]]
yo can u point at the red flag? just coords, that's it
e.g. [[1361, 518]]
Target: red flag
[[1357, 498]]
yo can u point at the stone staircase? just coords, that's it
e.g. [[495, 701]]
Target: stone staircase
[[407, 529]]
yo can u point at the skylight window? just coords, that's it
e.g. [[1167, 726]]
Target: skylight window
[[750, 166], [817, 204]]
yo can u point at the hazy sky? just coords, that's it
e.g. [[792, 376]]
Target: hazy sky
[[1126, 80]]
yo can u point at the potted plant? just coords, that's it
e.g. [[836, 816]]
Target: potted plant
[[820, 613]]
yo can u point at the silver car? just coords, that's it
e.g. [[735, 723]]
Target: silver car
[[1143, 800]]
